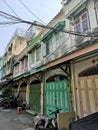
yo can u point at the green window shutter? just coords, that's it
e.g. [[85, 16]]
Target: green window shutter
[[57, 39], [50, 46], [38, 54], [32, 59], [44, 49]]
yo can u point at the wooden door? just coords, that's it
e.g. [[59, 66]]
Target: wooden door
[[88, 95]]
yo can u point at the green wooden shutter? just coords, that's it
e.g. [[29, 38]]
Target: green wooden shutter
[[57, 39], [50, 45], [44, 49]]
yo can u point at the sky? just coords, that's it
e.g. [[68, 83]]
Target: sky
[[45, 10]]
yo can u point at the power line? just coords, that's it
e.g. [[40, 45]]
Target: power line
[[31, 11], [9, 16], [10, 8], [56, 29], [35, 24], [17, 20]]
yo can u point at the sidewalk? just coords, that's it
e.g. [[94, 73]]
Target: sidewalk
[[9, 120]]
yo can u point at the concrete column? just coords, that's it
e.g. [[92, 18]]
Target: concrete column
[[27, 94], [43, 94], [18, 89]]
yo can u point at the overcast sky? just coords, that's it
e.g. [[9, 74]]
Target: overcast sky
[[43, 9]]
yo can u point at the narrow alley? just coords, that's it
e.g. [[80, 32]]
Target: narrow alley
[[9, 120]]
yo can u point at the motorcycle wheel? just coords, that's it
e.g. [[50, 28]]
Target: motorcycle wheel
[[50, 127], [39, 127]]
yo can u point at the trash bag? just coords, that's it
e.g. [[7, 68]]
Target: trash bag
[[89, 122]]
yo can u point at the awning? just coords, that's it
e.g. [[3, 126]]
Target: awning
[[78, 8]]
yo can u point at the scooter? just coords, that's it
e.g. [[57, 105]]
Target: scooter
[[42, 122]]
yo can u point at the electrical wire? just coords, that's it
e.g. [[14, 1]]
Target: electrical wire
[[19, 20], [31, 12], [9, 16], [56, 29], [10, 8]]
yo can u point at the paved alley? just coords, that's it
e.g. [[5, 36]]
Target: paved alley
[[9, 120]]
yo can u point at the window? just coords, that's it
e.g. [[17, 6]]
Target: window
[[38, 54], [77, 25], [32, 57], [60, 38], [57, 40], [96, 7], [26, 62], [49, 46], [16, 69], [22, 65], [81, 23]]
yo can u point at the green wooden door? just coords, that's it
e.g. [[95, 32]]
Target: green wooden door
[[35, 98], [57, 95]]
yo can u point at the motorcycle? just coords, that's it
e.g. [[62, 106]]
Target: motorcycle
[[42, 122]]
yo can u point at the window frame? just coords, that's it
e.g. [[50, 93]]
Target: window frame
[[36, 61], [96, 11], [38, 54], [49, 46], [32, 61], [81, 20]]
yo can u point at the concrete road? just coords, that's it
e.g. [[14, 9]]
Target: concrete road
[[9, 120]]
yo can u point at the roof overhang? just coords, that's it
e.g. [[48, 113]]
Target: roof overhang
[[78, 8]]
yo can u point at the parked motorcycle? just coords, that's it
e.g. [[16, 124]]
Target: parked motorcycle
[[42, 122], [12, 102]]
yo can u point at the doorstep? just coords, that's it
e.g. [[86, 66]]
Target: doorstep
[[30, 112]]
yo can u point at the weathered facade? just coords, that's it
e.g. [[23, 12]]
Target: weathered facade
[[59, 67], [81, 17], [25, 63], [57, 91], [84, 67], [1, 63]]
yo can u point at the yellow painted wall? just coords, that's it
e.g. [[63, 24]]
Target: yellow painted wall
[[19, 44]]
